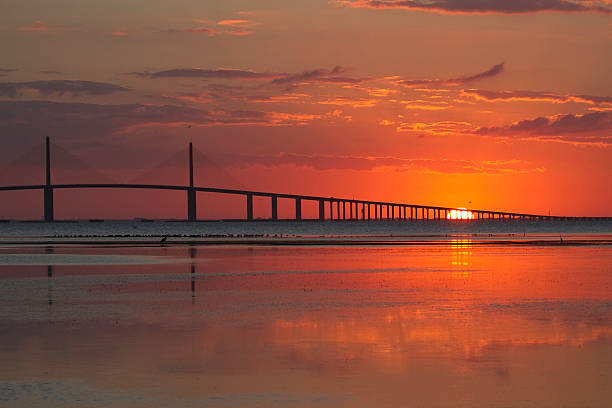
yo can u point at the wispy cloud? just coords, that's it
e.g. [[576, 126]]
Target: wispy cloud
[[369, 163], [485, 6], [219, 73], [59, 88], [234, 23], [441, 128], [50, 72], [38, 26], [335, 75], [491, 72], [5, 71], [534, 96]]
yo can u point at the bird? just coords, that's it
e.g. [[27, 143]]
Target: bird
[[163, 240]]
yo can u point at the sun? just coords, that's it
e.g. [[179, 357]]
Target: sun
[[460, 214]]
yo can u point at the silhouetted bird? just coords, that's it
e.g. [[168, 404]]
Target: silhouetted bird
[[163, 240]]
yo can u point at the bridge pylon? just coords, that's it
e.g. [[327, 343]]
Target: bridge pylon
[[191, 193], [48, 189]]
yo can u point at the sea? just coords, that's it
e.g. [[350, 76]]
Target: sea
[[428, 313]]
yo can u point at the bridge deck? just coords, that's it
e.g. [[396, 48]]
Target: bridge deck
[[252, 193]]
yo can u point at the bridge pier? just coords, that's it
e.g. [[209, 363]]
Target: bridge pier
[[48, 190], [191, 204], [298, 209], [321, 210], [249, 206], [191, 193], [48, 203], [274, 203]]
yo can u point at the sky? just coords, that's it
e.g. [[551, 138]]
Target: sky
[[500, 104]]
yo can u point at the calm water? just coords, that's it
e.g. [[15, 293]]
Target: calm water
[[326, 228], [454, 324]]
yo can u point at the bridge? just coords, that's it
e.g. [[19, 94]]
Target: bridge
[[341, 208]]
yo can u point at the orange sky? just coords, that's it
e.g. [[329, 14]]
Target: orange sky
[[504, 104]]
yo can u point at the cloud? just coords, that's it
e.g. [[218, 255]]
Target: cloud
[[369, 163], [591, 128], [531, 96], [38, 26], [50, 72], [234, 23], [30, 119], [485, 6], [220, 73], [318, 75], [59, 88], [349, 101], [235, 30], [5, 71], [333, 76], [442, 128], [491, 72], [427, 105]]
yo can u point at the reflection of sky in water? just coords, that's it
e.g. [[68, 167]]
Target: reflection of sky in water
[[72, 259], [313, 327]]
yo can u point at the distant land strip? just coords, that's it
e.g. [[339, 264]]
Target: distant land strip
[[452, 241]]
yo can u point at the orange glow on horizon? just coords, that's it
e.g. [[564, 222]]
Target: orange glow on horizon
[[460, 214]]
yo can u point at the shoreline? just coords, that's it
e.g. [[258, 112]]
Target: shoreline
[[442, 240]]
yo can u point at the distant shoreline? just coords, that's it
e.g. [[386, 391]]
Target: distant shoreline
[[443, 240]]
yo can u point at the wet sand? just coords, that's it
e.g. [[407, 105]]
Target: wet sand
[[457, 324]]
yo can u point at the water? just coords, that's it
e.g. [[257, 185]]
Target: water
[[307, 228], [132, 323]]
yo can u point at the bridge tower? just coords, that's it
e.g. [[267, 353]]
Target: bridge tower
[[48, 189], [191, 193]]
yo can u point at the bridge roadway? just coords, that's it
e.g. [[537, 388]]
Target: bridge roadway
[[369, 209]]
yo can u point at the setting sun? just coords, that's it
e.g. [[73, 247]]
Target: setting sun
[[460, 214]]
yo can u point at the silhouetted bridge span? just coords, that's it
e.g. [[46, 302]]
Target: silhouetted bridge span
[[339, 208]]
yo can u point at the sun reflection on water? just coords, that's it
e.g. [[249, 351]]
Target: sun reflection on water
[[461, 256]]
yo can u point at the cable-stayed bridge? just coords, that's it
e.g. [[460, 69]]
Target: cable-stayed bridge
[[338, 208]]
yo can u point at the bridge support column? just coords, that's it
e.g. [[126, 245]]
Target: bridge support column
[[48, 191], [48, 203], [249, 206], [338, 210], [387, 211], [298, 209], [351, 203], [321, 210], [274, 200], [191, 204], [191, 193]]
